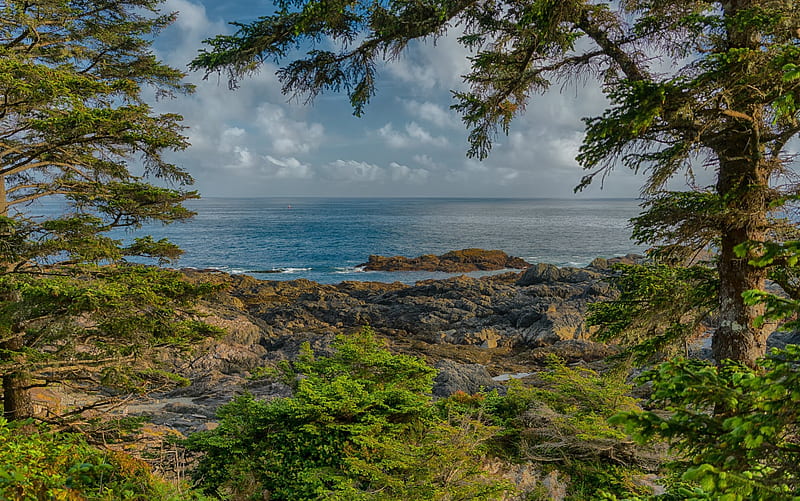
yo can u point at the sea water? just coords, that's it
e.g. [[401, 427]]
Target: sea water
[[326, 240]]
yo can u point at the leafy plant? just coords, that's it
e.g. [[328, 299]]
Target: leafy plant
[[76, 131]]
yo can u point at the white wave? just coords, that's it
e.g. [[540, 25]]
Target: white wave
[[293, 270], [349, 269], [287, 269]]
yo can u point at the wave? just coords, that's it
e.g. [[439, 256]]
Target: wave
[[349, 269], [287, 269]]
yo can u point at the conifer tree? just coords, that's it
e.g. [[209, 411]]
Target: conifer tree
[[76, 133], [691, 84]]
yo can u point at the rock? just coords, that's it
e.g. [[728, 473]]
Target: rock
[[549, 274], [468, 378], [779, 339], [461, 261], [602, 263]]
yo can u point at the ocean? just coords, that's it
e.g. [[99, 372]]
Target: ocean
[[326, 240]]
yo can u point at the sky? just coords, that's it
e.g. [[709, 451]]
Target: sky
[[256, 142]]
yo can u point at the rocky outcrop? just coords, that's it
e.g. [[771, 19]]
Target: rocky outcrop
[[502, 322], [461, 261]]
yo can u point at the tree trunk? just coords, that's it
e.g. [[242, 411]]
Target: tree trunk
[[736, 337], [17, 402], [742, 183]]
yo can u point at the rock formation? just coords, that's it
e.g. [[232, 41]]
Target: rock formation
[[460, 261]]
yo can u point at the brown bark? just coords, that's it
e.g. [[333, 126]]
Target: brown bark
[[3, 198], [742, 183], [17, 402], [736, 337]]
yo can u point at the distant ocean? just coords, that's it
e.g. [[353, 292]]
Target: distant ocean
[[326, 239]]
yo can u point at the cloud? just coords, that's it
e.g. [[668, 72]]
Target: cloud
[[429, 66], [252, 142], [286, 168], [287, 136], [352, 171], [432, 112], [414, 136], [408, 174]]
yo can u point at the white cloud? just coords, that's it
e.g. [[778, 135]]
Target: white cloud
[[352, 170], [427, 162], [426, 66], [414, 136], [252, 142], [286, 168], [432, 112], [407, 174], [287, 136]]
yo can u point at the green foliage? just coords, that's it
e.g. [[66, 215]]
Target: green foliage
[[563, 420], [360, 425], [39, 465], [76, 129], [123, 313], [734, 428], [658, 309], [562, 417]]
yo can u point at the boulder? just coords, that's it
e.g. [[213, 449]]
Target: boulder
[[468, 378], [550, 274]]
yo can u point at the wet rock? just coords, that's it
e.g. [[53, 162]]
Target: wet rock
[[548, 274]]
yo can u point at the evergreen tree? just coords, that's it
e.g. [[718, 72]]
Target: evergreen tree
[[76, 130], [691, 84]]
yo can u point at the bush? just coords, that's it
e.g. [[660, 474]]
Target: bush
[[361, 425], [735, 428], [37, 466]]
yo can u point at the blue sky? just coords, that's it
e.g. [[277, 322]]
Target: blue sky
[[256, 142]]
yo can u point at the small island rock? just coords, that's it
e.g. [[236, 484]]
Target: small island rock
[[460, 261]]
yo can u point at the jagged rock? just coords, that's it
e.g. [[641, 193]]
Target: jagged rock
[[460, 261], [548, 274], [468, 378], [602, 263]]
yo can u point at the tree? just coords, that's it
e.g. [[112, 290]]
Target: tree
[[361, 425], [690, 84], [75, 129]]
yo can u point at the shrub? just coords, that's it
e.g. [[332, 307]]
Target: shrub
[[41, 465], [735, 428], [360, 425]]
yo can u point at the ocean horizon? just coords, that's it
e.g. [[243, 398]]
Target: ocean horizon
[[326, 239]]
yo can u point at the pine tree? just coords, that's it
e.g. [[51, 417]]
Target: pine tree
[[691, 84], [75, 131]]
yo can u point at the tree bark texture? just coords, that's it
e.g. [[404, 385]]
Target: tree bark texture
[[17, 403]]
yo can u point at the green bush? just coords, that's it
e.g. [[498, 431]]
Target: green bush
[[360, 425], [734, 428], [42, 466], [561, 422]]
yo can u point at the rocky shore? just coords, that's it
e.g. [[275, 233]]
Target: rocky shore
[[471, 329]]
